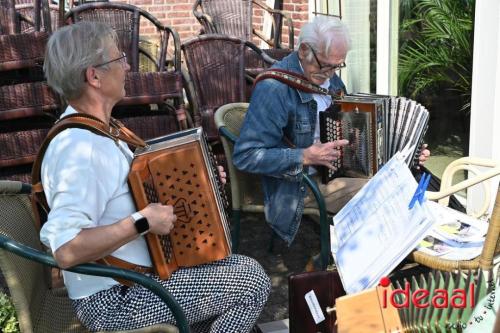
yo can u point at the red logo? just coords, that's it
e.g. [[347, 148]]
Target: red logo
[[423, 298]]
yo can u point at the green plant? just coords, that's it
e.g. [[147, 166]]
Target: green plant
[[436, 50], [8, 318]]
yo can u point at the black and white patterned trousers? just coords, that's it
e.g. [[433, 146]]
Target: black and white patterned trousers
[[226, 296]]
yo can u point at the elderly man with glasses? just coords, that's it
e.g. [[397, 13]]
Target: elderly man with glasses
[[279, 138]]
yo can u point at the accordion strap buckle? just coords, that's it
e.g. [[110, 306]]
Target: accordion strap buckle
[[114, 132]]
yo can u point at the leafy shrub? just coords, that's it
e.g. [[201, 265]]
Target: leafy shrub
[[8, 318], [436, 50]]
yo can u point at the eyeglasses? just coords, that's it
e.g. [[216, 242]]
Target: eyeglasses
[[122, 59], [326, 68]]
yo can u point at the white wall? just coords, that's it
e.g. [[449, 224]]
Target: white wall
[[356, 76], [387, 46], [485, 108]]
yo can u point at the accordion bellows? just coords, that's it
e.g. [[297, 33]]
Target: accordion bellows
[[180, 170], [377, 127]]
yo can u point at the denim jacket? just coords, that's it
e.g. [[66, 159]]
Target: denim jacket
[[277, 111]]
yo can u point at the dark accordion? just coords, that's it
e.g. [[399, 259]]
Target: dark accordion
[[180, 170], [377, 127]]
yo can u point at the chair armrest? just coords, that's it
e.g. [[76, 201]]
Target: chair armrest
[[470, 164], [323, 222], [227, 134], [101, 270]]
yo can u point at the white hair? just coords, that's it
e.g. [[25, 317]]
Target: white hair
[[71, 50], [324, 33]]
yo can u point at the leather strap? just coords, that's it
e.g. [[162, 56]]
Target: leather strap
[[115, 131], [117, 262], [297, 81]]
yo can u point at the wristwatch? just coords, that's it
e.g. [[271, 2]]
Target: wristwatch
[[141, 223]]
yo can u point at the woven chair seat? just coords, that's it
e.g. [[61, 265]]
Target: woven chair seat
[[26, 100], [18, 173], [151, 87], [22, 50]]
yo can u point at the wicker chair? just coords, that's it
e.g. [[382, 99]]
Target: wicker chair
[[9, 22], [234, 18], [27, 109], [246, 195], [143, 88], [491, 248], [37, 15], [38, 308], [216, 65]]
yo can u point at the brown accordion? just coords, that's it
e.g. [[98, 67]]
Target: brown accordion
[[180, 170], [377, 127]]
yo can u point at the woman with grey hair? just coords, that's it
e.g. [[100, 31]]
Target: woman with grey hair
[[92, 212]]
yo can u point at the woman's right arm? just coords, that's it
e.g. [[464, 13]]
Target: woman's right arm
[[94, 243]]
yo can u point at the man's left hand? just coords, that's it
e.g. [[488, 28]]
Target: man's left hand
[[222, 174], [424, 155]]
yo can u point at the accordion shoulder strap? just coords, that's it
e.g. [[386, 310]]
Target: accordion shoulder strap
[[296, 81], [115, 131]]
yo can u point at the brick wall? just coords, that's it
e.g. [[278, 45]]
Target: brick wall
[[178, 14], [174, 13], [299, 12]]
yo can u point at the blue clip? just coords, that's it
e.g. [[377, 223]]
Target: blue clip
[[420, 191], [424, 188]]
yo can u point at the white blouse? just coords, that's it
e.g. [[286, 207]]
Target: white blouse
[[84, 176]]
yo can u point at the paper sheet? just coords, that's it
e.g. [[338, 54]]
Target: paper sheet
[[375, 231]]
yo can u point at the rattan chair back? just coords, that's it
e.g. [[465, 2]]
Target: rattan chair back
[[216, 65], [24, 50], [37, 15], [246, 194], [9, 23], [154, 76], [227, 17], [126, 21], [234, 18]]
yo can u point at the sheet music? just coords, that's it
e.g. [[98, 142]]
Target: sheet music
[[375, 231]]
